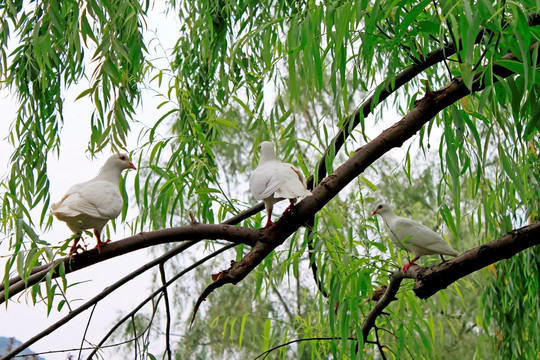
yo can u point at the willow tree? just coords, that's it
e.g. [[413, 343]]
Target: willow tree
[[316, 78]]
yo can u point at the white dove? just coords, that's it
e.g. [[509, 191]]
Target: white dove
[[273, 181], [89, 205], [413, 236]]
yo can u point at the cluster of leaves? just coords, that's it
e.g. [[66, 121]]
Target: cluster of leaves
[[46, 57], [293, 72]]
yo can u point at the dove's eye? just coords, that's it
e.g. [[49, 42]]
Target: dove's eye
[[122, 157]]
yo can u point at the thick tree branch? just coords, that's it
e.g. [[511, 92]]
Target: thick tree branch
[[155, 293], [434, 278], [382, 92], [387, 88], [95, 299], [424, 110], [196, 231], [38, 273], [389, 296], [430, 280]]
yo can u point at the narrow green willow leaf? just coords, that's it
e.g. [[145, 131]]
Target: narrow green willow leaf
[[266, 334]]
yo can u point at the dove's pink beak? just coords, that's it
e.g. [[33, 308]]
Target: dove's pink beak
[[374, 212], [132, 166]]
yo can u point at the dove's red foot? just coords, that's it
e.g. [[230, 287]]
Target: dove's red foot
[[100, 244], [269, 223], [75, 247], [290, 207], [408, 265]]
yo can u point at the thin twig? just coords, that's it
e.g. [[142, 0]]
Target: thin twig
[[99, 297], [167, 312], [445, 40], [457, 44], [86, 330], [75, 349], [160, 289], [267, 352], [378, 342], [136, 342], [491, 37], [282, 301], [314, 269]]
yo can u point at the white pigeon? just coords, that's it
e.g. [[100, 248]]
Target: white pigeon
[[413, 236], [273, 181], [89, 205]]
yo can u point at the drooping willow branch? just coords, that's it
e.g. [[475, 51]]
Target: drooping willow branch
[[263, 241], [381, 93], [387, 88], [108, 290], [156, 292], [38, 273]]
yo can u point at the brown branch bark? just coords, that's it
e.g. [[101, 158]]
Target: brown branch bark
[[430, 280], [43, 269], [154, 294], [95, 300], [264, 241], [424, 110], [434, 278]]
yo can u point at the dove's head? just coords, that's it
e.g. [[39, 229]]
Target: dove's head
[[267, 151], [382, 209], [120, 162]]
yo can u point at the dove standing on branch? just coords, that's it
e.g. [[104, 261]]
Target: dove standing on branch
[[273, 181], [412, 236], [89, 205]]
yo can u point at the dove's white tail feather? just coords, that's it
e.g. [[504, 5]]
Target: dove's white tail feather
[[291, 191], [273, 181]]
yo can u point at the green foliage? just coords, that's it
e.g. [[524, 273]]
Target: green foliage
[[52, 39], [513, 306], [293, 72]]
